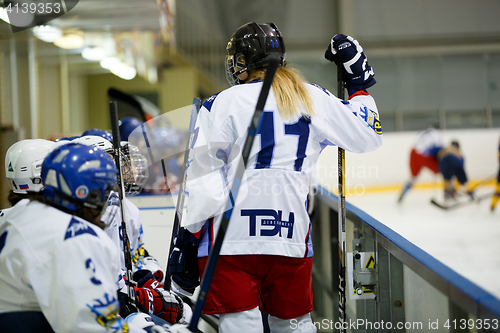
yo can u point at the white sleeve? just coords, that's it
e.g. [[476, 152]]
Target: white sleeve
[[353, 125], [206, 185], [82, 295], [135, 235]]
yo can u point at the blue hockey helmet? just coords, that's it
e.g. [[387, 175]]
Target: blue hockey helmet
[[99, 132], [76, 175], [127, 125], [66, 138]]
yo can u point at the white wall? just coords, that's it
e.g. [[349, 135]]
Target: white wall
[[389, 165]]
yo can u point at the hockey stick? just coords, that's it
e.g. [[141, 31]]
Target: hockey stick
[[484, 181], [181, 196], [214, 254], [113, 111], [341, 213], [461, 203]]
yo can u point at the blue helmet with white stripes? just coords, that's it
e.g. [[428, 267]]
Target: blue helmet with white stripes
[[76, 175], [99, 132]]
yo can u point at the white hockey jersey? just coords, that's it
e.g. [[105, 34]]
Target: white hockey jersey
[[429, 142], [60, 265], [269, 216], [19, 205], [112, 218]]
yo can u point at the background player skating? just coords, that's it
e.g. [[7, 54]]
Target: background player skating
[[451, 166], [266, 257], [424, 155]]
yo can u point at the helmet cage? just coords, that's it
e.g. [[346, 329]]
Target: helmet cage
[[134, 170]]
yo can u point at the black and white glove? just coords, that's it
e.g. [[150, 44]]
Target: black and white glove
[[345, 51], [183, 262]]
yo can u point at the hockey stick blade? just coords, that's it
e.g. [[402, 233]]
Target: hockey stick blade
[[460, 203], [214, 254]]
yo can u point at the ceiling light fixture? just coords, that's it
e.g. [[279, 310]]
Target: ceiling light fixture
[[109, 62], [93, 53], [73, 40], [47, 33]]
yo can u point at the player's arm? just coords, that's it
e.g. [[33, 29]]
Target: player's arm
[[136, 235], [82, 295], [207, 183], [353, 125]]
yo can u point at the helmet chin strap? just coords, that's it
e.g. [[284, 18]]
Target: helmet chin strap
[[241, 71]]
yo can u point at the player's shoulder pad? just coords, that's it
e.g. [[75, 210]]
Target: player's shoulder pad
[[210, 101], [320, 88]]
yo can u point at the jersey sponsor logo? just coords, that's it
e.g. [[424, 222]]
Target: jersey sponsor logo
[[82, 191], [106, 311], [113, 199], [269, 226], [371, 119], [209, 102], [76, 228]]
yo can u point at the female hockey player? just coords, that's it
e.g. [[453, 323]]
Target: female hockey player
[[451, 166], [57, 267], [266, 257], [424, 155], [151, 295]]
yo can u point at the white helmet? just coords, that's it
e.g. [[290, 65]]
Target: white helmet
[[23, 164], [97, 141]]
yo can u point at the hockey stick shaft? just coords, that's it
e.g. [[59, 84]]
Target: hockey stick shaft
[[214, 254], [181, 196], [341, 213], [113, 111], [484, 181]]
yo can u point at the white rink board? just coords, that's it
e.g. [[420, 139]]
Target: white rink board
[[157, 212]]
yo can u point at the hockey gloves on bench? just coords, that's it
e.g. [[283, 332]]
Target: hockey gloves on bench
[[157, 301], [183, 262], [346, 52]]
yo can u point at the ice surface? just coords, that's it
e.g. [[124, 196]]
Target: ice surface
[[466, 239]]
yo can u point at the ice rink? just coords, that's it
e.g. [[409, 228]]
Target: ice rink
[[466, 238]]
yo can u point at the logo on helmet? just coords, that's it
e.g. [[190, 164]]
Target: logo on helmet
[[82, 191]]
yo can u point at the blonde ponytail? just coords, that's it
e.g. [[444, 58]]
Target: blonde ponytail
[[290, 91]]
